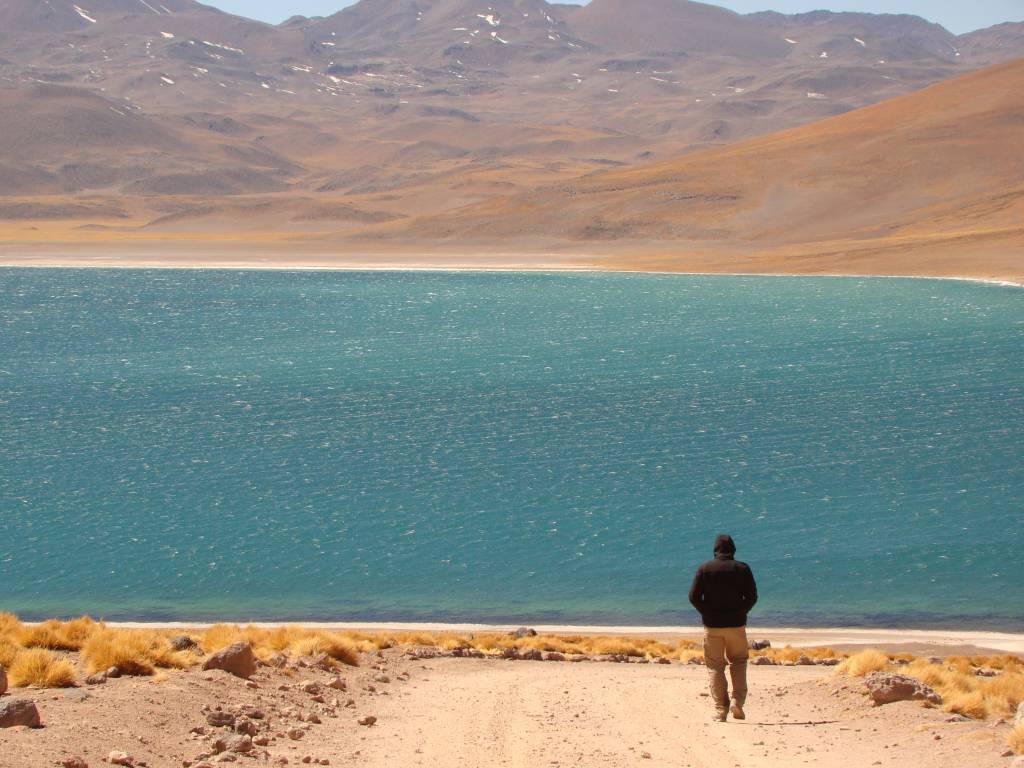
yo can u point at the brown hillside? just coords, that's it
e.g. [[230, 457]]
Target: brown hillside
[[945, 162]]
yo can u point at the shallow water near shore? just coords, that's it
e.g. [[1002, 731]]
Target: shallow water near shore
[[504, 447]]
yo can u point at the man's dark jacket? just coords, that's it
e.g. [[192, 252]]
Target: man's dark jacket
[[723, 591]]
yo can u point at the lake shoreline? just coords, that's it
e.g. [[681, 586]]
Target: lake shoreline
[[936, 640], [484, 263]]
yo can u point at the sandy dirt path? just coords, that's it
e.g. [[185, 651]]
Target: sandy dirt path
[[518, 715], [467, 713]]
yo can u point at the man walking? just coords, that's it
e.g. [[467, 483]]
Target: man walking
[[723, 592]]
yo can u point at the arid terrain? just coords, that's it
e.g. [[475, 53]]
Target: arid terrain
[[653, 134], [492, 699]]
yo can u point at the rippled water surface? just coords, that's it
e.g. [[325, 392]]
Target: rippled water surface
[[513, 447]]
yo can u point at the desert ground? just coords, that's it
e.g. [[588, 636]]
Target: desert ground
[[419, 705]]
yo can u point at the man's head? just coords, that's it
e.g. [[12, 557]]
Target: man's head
[[724, 545]]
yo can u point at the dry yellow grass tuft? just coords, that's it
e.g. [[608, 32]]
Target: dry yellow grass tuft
[[966, 693], [133, 652], [41, 668], [58, 636], [864, 663], [294, 641], [1015, 740], [9, 650], [9, 625]]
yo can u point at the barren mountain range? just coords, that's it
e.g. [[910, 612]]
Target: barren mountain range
[[395, 120]]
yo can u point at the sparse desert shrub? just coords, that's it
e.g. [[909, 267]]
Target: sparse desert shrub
[[41, 668], [337, 646], [1015, 740], [295, 641], [971, 704], [864, 663], [9, 625], [1006, 691], [133, 652], [58, 636], [9, 650]]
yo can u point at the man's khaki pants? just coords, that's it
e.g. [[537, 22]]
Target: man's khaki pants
[[721, 644]]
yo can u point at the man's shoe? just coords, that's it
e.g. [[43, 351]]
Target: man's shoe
[[719, 717], [737, 712]]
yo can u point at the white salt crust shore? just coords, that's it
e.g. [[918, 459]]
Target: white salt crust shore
[[54, 262], [797, 637]]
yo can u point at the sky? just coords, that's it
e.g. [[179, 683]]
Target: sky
[[958, 16]]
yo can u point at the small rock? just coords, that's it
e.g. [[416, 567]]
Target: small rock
[[384, 679], [296, 734], [338, 684], [253, 713], [237, 659], [760, 645], [985, 672], [696, 660], [221, 719], [3, 680], [554, 656], [663, 660], [645, 755], [531, 655], [804, 661], [762, 661], [367, 720], [79, 696], [958, 719], [278, 660], [120, 758], [240, 745], [246, 727], [522, 632], [183, 643], [19, 712], [885, 688], [74, 762], [310, 687], [261, 741], [99, 678], [113, 673], [1007, 753], [828, 662], [313, 718]]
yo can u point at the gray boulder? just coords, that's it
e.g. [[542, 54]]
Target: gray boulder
[[887, 687], [522, 632], [19, 712], [237, 659], [759, 645], [183, 643]]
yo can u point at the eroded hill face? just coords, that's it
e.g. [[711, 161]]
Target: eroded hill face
[[937, 174], [182, 118]]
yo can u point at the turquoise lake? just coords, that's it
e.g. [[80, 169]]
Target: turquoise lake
[[508, 447]]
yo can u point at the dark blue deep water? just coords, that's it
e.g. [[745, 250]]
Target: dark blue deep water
[[508, 447]]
